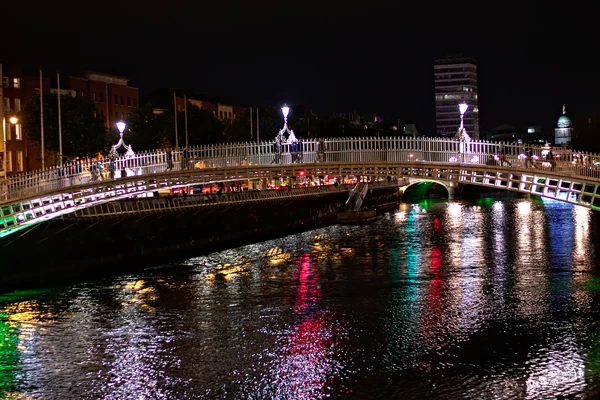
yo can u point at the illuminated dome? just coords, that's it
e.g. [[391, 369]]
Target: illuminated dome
[[564, 121]]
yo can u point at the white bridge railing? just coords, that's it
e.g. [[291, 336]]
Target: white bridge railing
[[340, 150]]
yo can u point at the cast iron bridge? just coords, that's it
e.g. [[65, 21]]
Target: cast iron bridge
[[37, 196]]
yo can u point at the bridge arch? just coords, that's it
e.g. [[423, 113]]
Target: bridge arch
[[428, 188]]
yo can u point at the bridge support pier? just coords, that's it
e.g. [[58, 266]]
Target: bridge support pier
[[452, 192]]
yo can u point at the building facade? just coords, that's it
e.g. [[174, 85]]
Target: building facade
[[111, 94], [455, 81], [222, 112], [18, 154], [564, 132]]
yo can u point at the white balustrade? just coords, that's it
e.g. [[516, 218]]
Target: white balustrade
[[336, 150]]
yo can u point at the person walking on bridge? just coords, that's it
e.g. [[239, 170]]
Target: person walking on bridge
[[185, 158], [529, 158], [169, 160]]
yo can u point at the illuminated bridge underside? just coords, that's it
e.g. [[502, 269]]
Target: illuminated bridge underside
[[40, 207]]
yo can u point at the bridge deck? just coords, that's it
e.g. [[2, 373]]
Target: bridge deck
[[40, 195]]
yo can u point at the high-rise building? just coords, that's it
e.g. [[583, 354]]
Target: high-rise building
[[456, 82]]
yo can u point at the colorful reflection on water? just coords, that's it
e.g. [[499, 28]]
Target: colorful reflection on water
[[444, 300]]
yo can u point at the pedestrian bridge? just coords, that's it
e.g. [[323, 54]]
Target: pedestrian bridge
[[37, 196]]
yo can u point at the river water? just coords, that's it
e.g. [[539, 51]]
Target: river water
[[438, 300]]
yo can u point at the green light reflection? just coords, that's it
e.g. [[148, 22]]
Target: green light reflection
[[9, 355]]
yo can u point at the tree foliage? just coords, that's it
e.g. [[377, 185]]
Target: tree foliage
[[147, 130], [202, 126], [83, 130], [586, 133]]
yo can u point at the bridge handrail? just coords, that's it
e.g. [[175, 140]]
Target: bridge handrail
[[343, 150]]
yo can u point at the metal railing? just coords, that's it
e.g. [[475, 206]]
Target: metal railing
[[178, 203], [338, 150]]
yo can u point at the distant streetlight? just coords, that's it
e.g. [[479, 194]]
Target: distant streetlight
[[13, 120], [462, 107], [121, 127], [113, 151], [286, 111], [462, 134]]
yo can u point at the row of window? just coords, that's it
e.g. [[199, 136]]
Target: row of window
[[16, 102], [13, 130], [463, 82], [100, 97], [455, 89], [455, 69], [455, 76], [225, 114], [466, 95], [220, 114], [18, 158], [15, 81]]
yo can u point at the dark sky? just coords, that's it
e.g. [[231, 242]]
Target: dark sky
[[331, 56]]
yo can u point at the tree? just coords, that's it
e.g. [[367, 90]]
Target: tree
[[586, 133], [238, 130], [203, 127], [83, 130], [147, 130]]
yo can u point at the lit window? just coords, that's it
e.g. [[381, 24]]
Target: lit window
[[9, 161], [19, 161], [16, 83], [18, 132], [7, 129], [95, 99], [17, 104]]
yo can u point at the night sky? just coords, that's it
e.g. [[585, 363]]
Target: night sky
[[331, 56]]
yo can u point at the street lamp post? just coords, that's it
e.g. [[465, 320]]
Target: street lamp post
[[129, 150], [13, 120], [286, 111], [462, 134], [462, 107], [121, 127]]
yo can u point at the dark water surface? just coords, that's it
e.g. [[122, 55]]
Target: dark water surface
[[439, 300]]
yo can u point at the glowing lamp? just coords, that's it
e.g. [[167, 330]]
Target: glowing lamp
[[462, 107], [13, 120], [285, 110], [121, 126]]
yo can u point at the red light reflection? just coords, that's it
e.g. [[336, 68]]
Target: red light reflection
[[308, 359]]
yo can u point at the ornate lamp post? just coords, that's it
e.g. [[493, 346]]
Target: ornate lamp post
[[462, 134], [113, 150], [286, 111], [462, 107]]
